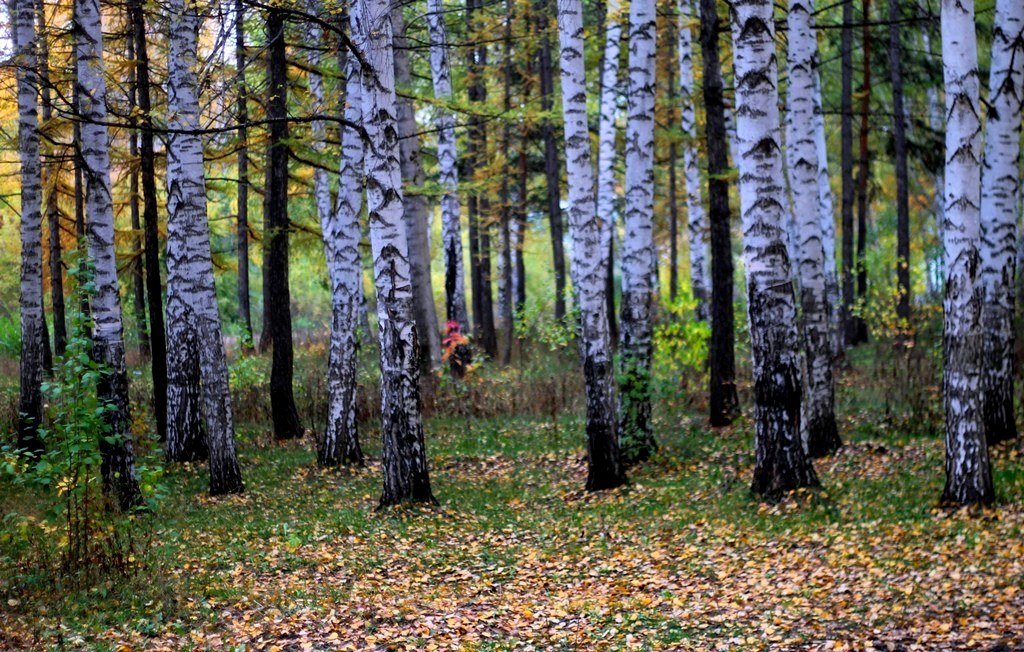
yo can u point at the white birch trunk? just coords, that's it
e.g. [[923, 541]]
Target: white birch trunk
[[590, 239], [404, 458], [342, 233], [697, 219], [607, 197], [321, 181], [999, 190], [804, 169], [447, 157], [118, 467], [638, 244], [826, 210], [191, 292], [968, 475], [30, 402], [781, 463]]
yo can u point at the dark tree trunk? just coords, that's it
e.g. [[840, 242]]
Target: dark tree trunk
[[147, 173], [479, 207], [551, 168], [506, 198], [900, 147], [519, 301], [673, 224], [846, 137], [51, 174], [242, 226], [277, 302], [721, 354], [863, 175], [137, 275]]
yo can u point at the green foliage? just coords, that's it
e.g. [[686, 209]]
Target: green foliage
[[78, 533], [10, 337], [534, 322], [680, 348]]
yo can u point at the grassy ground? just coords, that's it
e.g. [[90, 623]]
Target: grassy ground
[[518, 557]]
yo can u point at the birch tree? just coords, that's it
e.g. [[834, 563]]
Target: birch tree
[[781, 463], [447, 157], [342, 234], [117, 450], [638, 246], [30, 402], [968, 474], [590, 240], [999, 191], [606, 153], [404, 458], [821, 434], [191, 292], [417, 210], [696, 216], [826, 209]]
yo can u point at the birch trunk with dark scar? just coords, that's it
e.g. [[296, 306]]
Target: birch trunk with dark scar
[[723, 399], [277, 295], [50, 185], [828, 221], [404, 457], [191, 293], [697, 221], [968, 473], [416, 209], [117, 450], [342, 233], [447, 157], [607, 196], [242, 224], [638, 246], [822, 437], [30, 401], [151, 232], [590, 234], [1000, 184], [781, 463], [900, 163]]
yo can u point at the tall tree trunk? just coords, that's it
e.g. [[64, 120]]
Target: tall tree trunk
[[191, 293], [118, 455], [404, 456], [723, 400], [137, 275], [936, 123], [638, 247], [826, 210], [277, 296], [545, 69], [30, 401], [447, 156], [479, 213], [968, 473], [520, 227], [242, 199], [781, 463], [846, 166], [342, 233], [1000, 184], [819, 400], [50, 184], [607, 195], [151, 233], [505, 262], [590, 235], [900, 149], [697, 221], [863, 172], [417, 211]]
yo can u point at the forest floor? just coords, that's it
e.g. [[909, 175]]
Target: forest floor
[[517, 556]]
